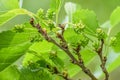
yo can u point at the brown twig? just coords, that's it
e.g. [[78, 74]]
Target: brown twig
[[103, 60], [64, 47], [64, 74]]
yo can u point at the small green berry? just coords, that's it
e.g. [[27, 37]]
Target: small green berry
[[100, 34]]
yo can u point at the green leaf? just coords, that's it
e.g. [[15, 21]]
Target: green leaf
[[11, 73], [113, 61], [87, 55], [39, 50], [41, 47], [71, 36], [13, 45], [115, 17], [57, 61], [88, 18], [116, 43], [6, 5], [74, 39], [13, 13]]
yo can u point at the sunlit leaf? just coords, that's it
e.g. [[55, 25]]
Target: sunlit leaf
[[39, 50], [6, 5], [13, 13], [13, 45], [11, 73]]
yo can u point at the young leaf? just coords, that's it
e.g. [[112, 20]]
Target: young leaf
[[13, 13], [115, 17], [88, 18], [37, 51]]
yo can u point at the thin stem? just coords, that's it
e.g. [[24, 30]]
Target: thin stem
[[107, 40], [103, 60]]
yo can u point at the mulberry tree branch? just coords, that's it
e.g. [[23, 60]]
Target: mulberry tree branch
[[64, 47], [103, 60]]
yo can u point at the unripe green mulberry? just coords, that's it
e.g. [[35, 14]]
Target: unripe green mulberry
[[40, 13], [79, 27], [19, 28], [113, 41], [100, 34]]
